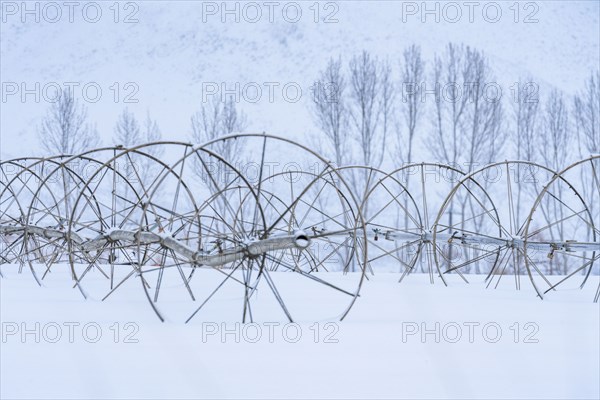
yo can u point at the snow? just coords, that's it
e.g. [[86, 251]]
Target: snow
[[399, 340], [372, 353], [170, 53]]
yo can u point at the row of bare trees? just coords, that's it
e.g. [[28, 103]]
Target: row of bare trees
[[451, 108], [454, 112], [370, 115], [65, 128], [66, 131], [374, 114], [218, 118]]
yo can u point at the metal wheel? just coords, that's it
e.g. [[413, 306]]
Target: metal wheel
[[45, 211], [392, 218], [305, 199], [473, 235], [16, 187], [426, 184], [192, 220], [562, 235]]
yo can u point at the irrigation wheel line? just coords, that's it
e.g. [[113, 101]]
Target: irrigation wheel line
[[268, 152], [43, 219], [569, 231], [383, 201], [482, 234], [122, 201], [419, 193], [244, 224]]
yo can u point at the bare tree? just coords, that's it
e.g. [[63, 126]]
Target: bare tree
[[371, 97], [412, 104], [554, 132], [446, 141], [127, 135], [364, 108], [329, 107], [555, 137], [587, 115], [150, 133], [411, 108], [65, 130], [386, 104], [138, 168], [524, 134], [331, 114], [233, 120], [468, 117], [215, 119], [485, 135], [587, 121], [370, 105], [127, 130]]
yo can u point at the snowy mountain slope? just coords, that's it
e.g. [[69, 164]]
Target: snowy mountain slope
[[171, 52]]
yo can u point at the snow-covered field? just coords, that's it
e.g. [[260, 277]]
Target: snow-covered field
[[408, 340], [164, 63]]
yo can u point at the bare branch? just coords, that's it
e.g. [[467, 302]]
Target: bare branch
[[64, 130]]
